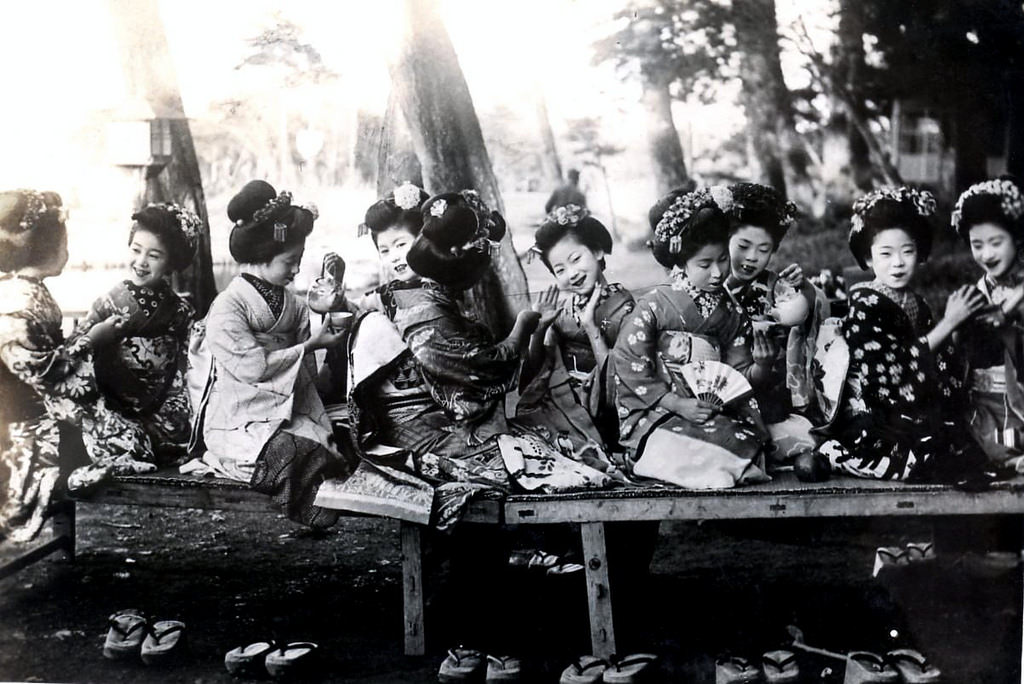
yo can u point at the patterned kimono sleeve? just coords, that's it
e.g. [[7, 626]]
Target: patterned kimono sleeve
[[890, 364], [620, 305], [737, 341], [638, 385], [234, 345], [450, 354], [57, 372]]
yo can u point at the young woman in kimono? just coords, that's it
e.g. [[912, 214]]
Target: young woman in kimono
[[783, 304], [989, 217], [142, 372], [258, 412], [900, 417], [46, 385], [673, 435], [570, 393]]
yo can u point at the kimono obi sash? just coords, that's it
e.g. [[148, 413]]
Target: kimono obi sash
[[989, 380]]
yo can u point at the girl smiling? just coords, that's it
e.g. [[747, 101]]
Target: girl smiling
[[675, 436]]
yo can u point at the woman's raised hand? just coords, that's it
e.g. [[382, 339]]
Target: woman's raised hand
[[108, 330], [963, 303], [547, 306], [794, 275], [324, 338]]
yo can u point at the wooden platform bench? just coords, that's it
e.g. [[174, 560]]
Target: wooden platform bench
[[168, 489], [785, 497]]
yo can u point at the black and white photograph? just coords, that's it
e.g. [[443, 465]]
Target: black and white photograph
[[497, 341]]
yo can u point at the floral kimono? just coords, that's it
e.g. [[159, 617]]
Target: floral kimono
[[468, 375], [671, 326], [45, 384], [143, 374], [787, 396], [994, 351], [257, 409], [571, 391], [900, 415]]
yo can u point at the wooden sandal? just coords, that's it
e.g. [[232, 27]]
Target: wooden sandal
[[587, 669], [503, 669], [913, 667], [124, 638], [780, 667], [461, 665], [732, 669], [629, 670], [165, 640], [247, 662], [293, 659]]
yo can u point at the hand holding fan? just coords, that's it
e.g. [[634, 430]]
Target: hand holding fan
[[715, 382]]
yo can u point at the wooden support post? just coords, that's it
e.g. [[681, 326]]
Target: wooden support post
[[1022, 621], [412, 588], [599, 597], [63, 524]]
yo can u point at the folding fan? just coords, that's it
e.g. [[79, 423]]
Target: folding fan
[[715, 382]]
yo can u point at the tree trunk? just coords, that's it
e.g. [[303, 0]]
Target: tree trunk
[[780, 160], [667, 158], [446, 135], [396, 159], [1015, 121], [549, 161], [149, 74]]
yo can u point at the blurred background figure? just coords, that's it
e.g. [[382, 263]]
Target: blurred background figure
[[569, 193]]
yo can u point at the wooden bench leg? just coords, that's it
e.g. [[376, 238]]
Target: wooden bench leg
[[599, 595], [412, 588], [63, 525]]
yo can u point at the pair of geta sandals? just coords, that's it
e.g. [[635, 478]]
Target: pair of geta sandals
[[278, 660], [631, 669], [469, 665], [776, 667], [132, 634]]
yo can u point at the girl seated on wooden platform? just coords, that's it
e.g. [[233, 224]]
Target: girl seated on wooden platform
[[785, 305], [989, 217], [691, 325], [901, 414], [48, 393], [141, 372], [570, 392], [252, 364]]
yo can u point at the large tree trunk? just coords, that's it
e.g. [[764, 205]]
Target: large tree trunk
[[779, 158], [446, 135], [149, 74], [396, 159], [669, 163], [549, 161]]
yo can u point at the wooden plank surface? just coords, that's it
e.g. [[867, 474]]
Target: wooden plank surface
[[785, 497], [412, 589]]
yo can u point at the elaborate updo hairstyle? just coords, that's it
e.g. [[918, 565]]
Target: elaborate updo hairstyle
[[454, 247], [998, 201], [175, 226], [576, 221], [266, 223], [400, 209], [31, 228], [752, 204], [683, 223], [903, 207]]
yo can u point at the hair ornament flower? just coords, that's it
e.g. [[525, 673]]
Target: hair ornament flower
[[567, 215], [35, 206], [407, 196], [438, 208], [1011, 202], [190, 223], [674, 221], [922, 201], [722, 196]]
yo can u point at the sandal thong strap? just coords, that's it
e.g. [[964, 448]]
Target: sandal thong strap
[[921, 662], [466, 653], [781, 663], [173, 629], [581, 668], [115, 624], [635, 660], [738, 661]]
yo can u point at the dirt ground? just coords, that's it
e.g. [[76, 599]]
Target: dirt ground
[[713, 588]]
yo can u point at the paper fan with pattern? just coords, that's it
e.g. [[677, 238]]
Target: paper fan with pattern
[[715, 382]]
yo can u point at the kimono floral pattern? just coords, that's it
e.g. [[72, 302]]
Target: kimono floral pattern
[[900, 417], [667, 330], [142, 375], [45, 382]]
